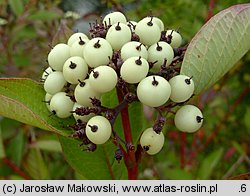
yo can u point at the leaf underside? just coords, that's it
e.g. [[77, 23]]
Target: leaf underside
[[219, 44]]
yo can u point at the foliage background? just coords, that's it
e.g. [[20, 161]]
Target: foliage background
[[218, 151]]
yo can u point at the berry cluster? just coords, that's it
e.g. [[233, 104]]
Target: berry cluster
[[140, 59]]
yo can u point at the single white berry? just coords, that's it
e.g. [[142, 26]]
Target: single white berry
[[83, 118], [118, 34], [113, 18], [159, 54], [182, 88], [148, 31], [47, 100], [151, 141], [98, 130], [83, 92], [153, 91], [58, 55], [97, 52], [175, 37], [61, 105], [188, 118], [75, 69], [134, 69], [54, 82], [75, 37], [157, 21], [103, 79], [46, 73], [77, 47], [133, 49]]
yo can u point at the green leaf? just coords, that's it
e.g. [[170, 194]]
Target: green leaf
[[16, 6], [22, 99], [35, 165], [44, 15], [2, 151], [219, 44], [209, 164], [177, 174], [137, 119], [92, 165], [48, 145], [15, 148]]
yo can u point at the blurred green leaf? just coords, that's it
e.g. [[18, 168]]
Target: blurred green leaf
[[136, 118], [238, 147], [16, 147], [177, 174], [44, 15], [22, 99], [35, 166], [209, 163], [48, 145], [16, 6], [219, 44], [246, 119], [92, 165], [2, 151]]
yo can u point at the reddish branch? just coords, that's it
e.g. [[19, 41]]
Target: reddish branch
[[129, 158], [14, 168], [210, 12]]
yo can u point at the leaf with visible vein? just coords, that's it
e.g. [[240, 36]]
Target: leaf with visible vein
[[22, 99], [219, 44]]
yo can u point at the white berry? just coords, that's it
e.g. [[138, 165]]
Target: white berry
[[153, 91], [134, 69], [103, 79], [97, 52], [182, 88], [188, 118], [133, 49], [148, 31], [75, 69], [151, 141], [83, 93], [118, 34], [58, 55], [98, 130], [54, 82], [77, 47], [47, 100], [61, 105], [113, 18], [75, 37], [159, 54]]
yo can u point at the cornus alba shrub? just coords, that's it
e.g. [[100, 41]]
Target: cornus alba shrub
[[141, 60]]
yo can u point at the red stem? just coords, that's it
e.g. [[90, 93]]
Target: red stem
[[182, 149], [14, 168], [210, 12], [130, 159]]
